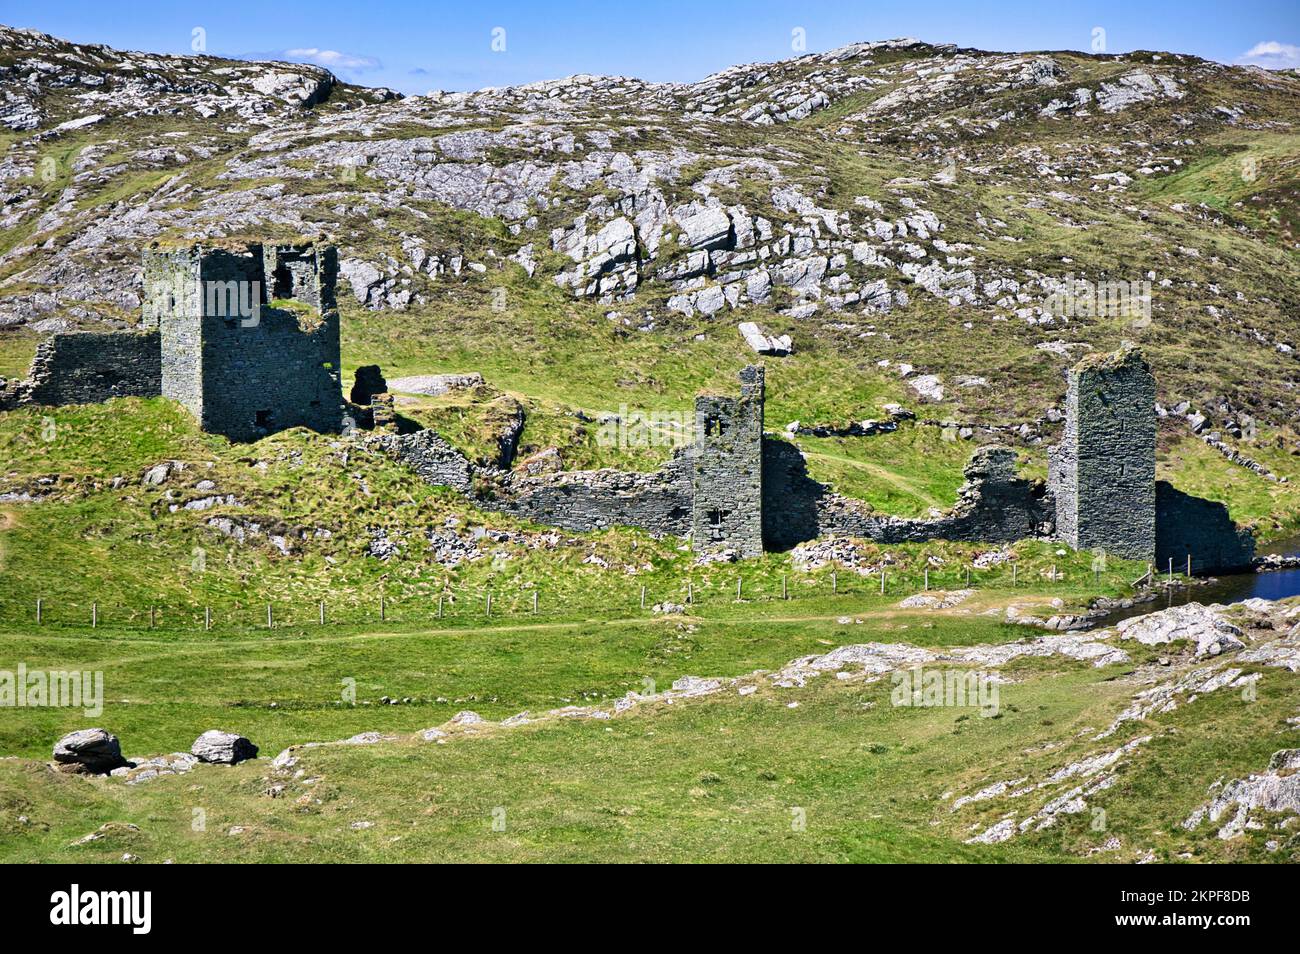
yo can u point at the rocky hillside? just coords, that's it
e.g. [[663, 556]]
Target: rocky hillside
[[908, 213]]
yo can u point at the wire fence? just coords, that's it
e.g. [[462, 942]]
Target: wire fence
[[482, 605]]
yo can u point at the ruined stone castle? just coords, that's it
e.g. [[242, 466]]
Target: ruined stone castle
[[727, 469], [733, 490], [1103, 473], [737, 492], [262, 363], [246, 337], [1102, 477]]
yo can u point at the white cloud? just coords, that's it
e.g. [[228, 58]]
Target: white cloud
[[331, 59], [342, 64], [1272, 55]]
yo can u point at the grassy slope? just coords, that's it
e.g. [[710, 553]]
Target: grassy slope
[[715, 779], [161, 684], [1271, 508]]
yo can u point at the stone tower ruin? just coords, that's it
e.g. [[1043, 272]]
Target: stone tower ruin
[[727, 469], [1103, 473], [249, 335]]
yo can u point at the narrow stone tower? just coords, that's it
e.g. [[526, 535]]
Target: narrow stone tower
[[727, 469], [1103, 473], [249, 335]]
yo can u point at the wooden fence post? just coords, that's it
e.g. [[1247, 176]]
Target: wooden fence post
[[207, 618], [737, 587], [534, 602], [383, 608], [690, 593], [322, 612], [643, 596], [882, 581], [489, 604], [39, 605], [927, 577], [270, 622], [785, 594], [94, 615]]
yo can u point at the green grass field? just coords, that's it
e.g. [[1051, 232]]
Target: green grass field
[[842, 776]]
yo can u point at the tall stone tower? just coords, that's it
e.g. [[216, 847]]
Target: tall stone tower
[[727, 469], [249, 335], [1103, 473]]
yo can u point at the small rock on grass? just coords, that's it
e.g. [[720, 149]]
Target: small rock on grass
[[89, 750], [225, 748]]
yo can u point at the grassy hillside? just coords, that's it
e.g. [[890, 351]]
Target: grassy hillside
[[830, 772]]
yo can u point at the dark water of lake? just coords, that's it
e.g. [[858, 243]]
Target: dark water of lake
[[1228, 588]]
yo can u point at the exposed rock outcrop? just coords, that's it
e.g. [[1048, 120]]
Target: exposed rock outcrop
[[1202, 626], [90, 750], [1277, 789]]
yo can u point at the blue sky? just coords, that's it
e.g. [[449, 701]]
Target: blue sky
[[413, 46]]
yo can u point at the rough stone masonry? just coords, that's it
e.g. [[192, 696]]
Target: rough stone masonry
[[733, 490], [249, 335], [271, 362], [245, 337], [91, 367], [727, 469], [1103, 473]]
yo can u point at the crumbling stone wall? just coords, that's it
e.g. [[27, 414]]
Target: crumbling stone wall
[[1192, 526], [89, 367], [761, 485], [368, 381], [659, 502], [1103, 473], [426, 453], [727, 469], [245, 374], [769, 501], [994, 505]]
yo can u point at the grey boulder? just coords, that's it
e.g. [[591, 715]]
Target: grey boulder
[[708, 228], [225, 748], [94, 750]]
